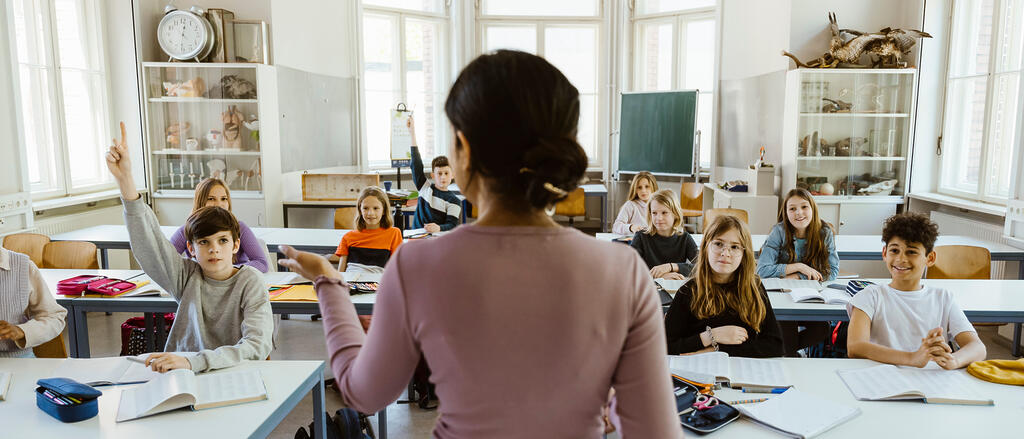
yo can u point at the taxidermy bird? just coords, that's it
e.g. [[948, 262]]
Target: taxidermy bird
[[847, 46]]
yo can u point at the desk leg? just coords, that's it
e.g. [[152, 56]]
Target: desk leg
[[150, 342], [104, 260], [604, 213], [1016, 339], [382, 423], [81, 334], [319, 420], [284, 208], [72, 332]]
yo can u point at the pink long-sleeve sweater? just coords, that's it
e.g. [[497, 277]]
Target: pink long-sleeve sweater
[[525, 330]]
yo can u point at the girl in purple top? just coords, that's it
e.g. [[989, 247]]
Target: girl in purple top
[[525, 324], [213, 192]]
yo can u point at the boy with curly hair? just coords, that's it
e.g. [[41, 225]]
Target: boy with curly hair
[[905, 322]]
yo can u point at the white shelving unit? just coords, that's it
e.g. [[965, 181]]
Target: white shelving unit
[[251, 168], [854, 156]]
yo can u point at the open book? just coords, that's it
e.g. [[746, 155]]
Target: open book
[[827, 295], [361, 276], [776, 284], [736, 372], [5, 384], [105, 371], [182, 388], [798, 414], [888, 382], [672, 285]]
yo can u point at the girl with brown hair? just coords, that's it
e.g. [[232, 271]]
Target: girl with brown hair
[[633, 214]]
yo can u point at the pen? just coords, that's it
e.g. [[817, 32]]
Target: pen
[[764, 389], [747, 401]]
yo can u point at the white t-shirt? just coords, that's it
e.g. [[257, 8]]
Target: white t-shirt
[[900, 319]]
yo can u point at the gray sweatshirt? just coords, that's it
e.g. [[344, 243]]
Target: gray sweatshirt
[[225, 321]]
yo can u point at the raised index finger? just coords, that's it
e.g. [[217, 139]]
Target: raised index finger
[[123, 133]]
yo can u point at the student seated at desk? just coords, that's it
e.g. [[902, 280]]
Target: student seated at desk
[[906, 323], [29, 315], [724, 306], [371, 244], [668, 250], [510, 359], [223, 311], [800, 246], [438, 209], [633, 214], [213, 192]]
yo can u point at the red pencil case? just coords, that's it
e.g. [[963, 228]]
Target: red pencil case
[[79, 285]]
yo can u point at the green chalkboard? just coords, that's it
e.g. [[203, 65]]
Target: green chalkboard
[[656, 131]]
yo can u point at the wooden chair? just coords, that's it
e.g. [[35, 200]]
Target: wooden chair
[[70, 254], [691, 200], [961, 262], [31, 244], [711, 214], [345, 218], [52, 349], [572, 206]]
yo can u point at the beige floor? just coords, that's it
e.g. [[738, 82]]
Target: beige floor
[[302, 339]]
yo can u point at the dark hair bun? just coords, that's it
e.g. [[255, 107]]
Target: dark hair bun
[[519, 115]]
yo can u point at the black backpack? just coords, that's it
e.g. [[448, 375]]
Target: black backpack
[[347, 424]]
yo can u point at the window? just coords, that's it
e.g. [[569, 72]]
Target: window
[[405, 46], [568, 33], [674, 49], [982, 87], [63, 87]]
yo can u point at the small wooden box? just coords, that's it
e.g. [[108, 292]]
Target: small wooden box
[[336, 187]]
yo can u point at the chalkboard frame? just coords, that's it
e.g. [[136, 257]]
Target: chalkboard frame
[[636, 162]]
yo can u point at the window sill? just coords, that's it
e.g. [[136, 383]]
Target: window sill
[[960, 203], [57, 203]]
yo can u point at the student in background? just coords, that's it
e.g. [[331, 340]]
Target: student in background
[[374, 241], [438, 208], [904, 322], [223, 312], [29, 315], [213, 192], [633, 214], [478, 301], [668, 250], [724, 306], [800, 246]]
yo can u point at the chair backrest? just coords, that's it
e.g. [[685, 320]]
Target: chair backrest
[[961, 262], [52, 349], [70, 254], [271, 265], [31, 244], [691, 197], [711, 214], [345, 218], [573, 205]]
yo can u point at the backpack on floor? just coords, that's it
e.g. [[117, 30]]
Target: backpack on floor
[[134, 337], [348, 424]]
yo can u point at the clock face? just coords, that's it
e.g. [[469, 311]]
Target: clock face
[[183, 35]]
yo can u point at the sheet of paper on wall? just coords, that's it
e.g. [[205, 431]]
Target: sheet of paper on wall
[[401, 155]]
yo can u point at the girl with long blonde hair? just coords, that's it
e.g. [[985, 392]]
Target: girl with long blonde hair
[[667, 249], [724, 307]]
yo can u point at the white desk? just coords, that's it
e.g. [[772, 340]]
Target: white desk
[[889, 419], [287, 383]]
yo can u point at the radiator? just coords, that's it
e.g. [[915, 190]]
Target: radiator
[[81, 220], [950, 224]]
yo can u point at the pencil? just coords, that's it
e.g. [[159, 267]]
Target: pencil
[[748, 401]]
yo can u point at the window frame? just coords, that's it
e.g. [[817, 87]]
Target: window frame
[[602, 49], [991, 79], [399, 15], [679, 19], [62, 184]]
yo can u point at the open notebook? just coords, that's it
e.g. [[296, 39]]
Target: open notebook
[[736, 372], [776, 284], [888, 382], [105, 371], [827, 295], [182, 388], [5, 384], [798, 414]]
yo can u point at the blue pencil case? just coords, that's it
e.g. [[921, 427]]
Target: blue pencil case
[[67, 400]]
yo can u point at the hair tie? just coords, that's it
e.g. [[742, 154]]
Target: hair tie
[[555, 190], [524, 170]]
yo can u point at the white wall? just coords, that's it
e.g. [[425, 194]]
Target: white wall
[[317, 36], [754, 33]]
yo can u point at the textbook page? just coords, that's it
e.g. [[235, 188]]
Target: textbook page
[[362, 276], [216, 390], [836, 297], [5, 384], [799, 414], [889, 382], [877, 382], [776, 284], [805, 295], [715, 364], [756, 372], [169, 391], [105, 371], [282, 278]]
